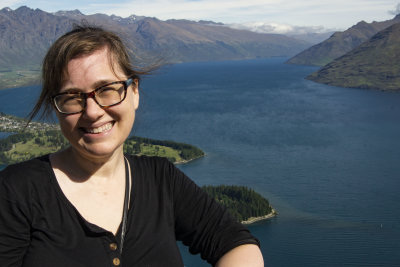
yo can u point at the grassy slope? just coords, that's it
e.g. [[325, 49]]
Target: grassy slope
[[13, 77], [373, 65], [25, 150]]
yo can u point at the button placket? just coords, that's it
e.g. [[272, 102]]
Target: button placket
[[112, 246]]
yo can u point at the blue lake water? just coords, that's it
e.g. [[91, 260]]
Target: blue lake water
[[327, 158], [4, 134]]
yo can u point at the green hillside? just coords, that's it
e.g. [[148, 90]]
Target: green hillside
[[372, 65]]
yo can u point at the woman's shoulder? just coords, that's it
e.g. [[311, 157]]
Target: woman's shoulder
[[30, 170], [153, 168], [148, 162]]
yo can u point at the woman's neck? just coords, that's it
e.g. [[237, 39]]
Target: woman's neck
[[81, 168]]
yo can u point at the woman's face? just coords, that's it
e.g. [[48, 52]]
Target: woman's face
[[97, 132]]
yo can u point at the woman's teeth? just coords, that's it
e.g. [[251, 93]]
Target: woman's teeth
[[105, 127]]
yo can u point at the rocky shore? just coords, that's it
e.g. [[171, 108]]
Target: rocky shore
[[252, 220]]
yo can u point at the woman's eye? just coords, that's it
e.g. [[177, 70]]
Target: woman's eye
[[71, 98], [109, 90]]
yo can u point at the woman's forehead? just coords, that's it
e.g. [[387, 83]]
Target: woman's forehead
[[99, 65]]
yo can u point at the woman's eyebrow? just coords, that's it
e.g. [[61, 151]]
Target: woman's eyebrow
[[70, 90], [100, 83], [96, 85]]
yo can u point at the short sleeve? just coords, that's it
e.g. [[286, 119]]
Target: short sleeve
[[202, 223], [14, 225]]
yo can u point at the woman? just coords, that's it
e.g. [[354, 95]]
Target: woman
[[90, 205]]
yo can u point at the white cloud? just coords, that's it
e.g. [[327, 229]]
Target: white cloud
[[278, 28], [11, 3], [395, 11]]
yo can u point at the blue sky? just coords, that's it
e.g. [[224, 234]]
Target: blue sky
[[332, 14]]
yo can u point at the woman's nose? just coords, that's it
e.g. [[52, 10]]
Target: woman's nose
[[92, 109]]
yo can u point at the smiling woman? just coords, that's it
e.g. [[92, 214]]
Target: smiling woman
[[91, 205], [101, 129]]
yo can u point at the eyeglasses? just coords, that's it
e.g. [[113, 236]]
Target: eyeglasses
[[105, 96]]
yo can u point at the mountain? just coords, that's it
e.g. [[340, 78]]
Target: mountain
[[372, 65], [184, 40], [26, 34], [340, 43]]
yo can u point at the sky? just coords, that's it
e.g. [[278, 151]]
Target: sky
[[325, 14]]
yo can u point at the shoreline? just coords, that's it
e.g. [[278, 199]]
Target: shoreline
[[252, 220], [189, 160]]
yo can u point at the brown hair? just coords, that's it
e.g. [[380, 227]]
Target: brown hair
[[81, 40]]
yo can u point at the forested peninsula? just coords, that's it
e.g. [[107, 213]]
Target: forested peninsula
[[39, 138], [246, 205]]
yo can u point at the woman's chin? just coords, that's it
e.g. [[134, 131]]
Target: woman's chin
[[97, 150]]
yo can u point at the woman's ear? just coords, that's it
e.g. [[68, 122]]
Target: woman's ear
[[135, 88]]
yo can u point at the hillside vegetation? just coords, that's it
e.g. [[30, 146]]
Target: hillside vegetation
[[242, 202], [372, 65]]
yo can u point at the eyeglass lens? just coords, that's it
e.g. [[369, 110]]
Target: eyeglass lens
[[107, 95]]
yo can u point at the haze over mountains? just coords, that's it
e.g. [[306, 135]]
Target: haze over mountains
[[312, 35], [25, 35]]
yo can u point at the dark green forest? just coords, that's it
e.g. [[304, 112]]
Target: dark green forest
[[242, 202]]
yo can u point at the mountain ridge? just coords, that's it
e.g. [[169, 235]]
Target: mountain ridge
[[340, 43], [372, 65], [36, 29], [26, 34]]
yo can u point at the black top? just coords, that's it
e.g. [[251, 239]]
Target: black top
[[40, 227]]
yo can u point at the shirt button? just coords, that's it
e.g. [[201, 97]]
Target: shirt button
[[116, 261], [113, 246]]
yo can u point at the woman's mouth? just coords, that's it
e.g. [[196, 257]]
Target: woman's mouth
[[98, 130]]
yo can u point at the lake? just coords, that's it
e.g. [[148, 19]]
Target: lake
[[327, 158]]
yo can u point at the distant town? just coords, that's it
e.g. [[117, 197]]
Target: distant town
[[12, 124]]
